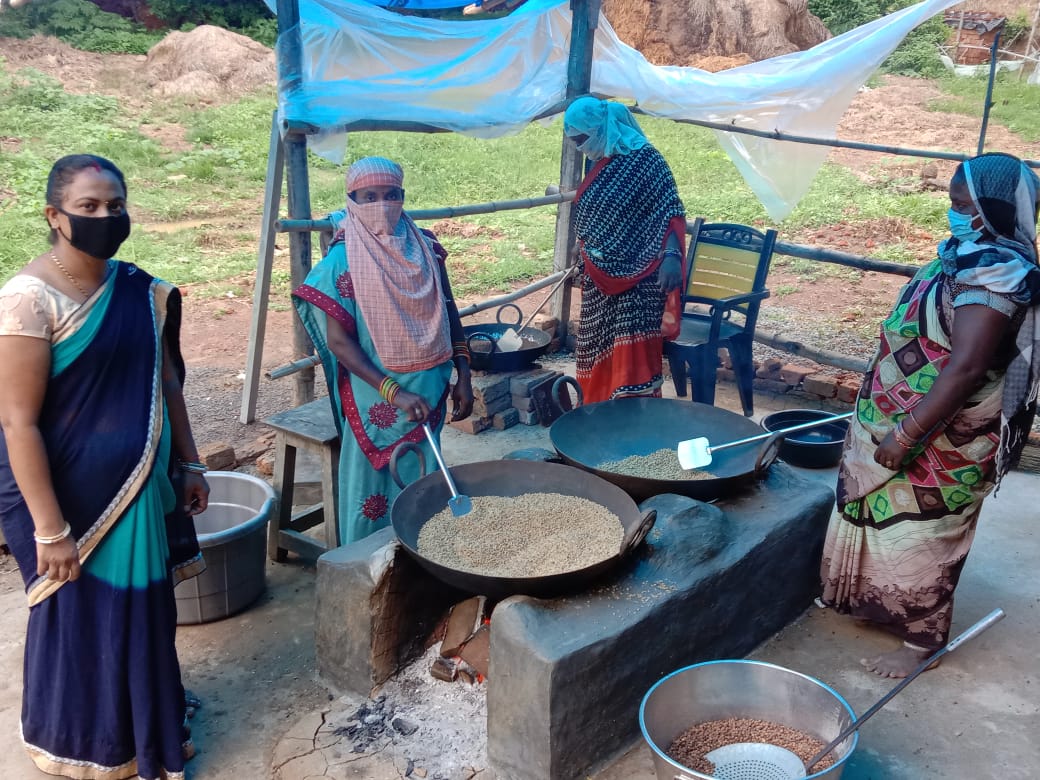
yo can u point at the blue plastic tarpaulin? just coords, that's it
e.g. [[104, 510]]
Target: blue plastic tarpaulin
[[491, 77]]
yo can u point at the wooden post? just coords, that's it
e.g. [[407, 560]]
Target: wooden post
[[264, 264], [584, 20], [290, 69], [957, 45]]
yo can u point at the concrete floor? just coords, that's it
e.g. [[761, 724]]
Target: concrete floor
[[976, 717]]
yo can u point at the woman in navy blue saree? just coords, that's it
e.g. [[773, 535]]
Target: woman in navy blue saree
[[99, 479]]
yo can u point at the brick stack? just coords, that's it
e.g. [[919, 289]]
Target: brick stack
[[503, 399], [774, 376]]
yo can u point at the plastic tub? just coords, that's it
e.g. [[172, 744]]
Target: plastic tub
[[742, 689], [816, 448], [233, 536]]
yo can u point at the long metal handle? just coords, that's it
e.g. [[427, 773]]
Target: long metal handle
[[992, 618], [791, 429], [440, 460], [552, 292]]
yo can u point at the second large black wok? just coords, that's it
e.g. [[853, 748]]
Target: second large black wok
[[613, 430], [428, 495]]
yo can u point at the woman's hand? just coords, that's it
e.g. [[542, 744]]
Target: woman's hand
[[413, 405], [196, 493], [462, 398], [669, 275], [58, 561], [890, 453]]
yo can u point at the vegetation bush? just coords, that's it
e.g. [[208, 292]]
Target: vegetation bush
[[80, 24], [917, 55]]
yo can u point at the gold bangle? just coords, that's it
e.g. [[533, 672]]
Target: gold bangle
[[902, 437]]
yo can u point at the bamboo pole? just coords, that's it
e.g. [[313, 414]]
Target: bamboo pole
[[290, 68], [584, 20]]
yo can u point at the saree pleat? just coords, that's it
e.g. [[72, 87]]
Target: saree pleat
[[102, 689]]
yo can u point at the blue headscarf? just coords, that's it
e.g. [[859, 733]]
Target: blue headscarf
[[610, 127]]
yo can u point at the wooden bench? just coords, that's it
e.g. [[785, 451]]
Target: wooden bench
[[310, 427]]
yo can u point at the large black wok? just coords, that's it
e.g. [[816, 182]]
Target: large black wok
[[483, 344], [612, 430], [428, 495]]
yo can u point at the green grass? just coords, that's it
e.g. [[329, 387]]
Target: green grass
[[1016, 104], [197, 204]]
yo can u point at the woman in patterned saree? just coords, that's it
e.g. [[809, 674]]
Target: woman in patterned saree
[[380, 312], [631, 230], [942, 415], [95, 435]]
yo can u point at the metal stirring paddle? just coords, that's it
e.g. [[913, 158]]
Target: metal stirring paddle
[[458, 504]]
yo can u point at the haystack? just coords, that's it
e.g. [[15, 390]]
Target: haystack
[[691, 32], [209, 59]]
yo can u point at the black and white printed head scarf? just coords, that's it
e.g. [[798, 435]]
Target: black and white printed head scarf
[[1006, 193]]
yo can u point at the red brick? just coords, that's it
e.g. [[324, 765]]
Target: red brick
[[794, 375], [217, 455], [847, 391], [770, 386], [820, 384], [725, 375], [265, 464], [769, 369], [488, 386], [520, 385], [506, 419], [472, 424], [491, 407], [548, 324], [522, 403], [724, 359]]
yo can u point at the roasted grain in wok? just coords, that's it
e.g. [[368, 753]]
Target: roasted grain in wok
[[531, 535], [662, 464]]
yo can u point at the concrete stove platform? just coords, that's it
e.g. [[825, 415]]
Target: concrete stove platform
[[567, 674]]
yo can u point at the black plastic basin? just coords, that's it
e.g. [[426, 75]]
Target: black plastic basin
[[816, 448]]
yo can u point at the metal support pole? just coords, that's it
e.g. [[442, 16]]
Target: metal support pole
[[584, 20], [290, 69], [989, 93]]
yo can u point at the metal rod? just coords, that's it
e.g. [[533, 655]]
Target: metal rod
[[791, 429], [444, 212], [291, 368], [515, 295], [778, 135], [991, 619], [989, 93]]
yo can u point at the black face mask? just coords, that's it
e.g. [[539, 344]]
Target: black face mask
[[99, 237]]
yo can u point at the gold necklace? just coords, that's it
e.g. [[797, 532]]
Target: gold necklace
[[69, 276]]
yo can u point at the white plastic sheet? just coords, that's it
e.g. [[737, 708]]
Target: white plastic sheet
[[491, 77]]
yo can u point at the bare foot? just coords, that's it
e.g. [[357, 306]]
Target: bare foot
[[897, 663]]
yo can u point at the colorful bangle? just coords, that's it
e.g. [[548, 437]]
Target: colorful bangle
[[56, 538], [388, 389], [461, 349], [192, 467], [902, 437]]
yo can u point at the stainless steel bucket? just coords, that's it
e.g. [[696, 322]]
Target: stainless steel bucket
[[741, 689]]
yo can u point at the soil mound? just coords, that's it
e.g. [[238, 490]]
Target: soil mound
[[687, 32], [206, 60]]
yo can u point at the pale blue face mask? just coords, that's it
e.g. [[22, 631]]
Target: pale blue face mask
[[960, 226]]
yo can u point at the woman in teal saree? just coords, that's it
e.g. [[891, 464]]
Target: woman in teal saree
[[95, 437]]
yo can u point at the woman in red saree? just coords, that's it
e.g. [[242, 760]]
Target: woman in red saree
[[631, 229]]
